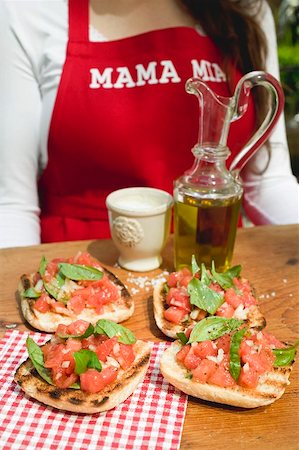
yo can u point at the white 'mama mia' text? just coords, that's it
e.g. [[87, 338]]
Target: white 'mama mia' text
[[155, 73]]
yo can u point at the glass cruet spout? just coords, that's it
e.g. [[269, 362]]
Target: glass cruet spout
[[207, 197]]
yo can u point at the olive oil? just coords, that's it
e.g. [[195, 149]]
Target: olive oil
[[207, 229]]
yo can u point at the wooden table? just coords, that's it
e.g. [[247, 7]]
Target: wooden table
[[270, 260]]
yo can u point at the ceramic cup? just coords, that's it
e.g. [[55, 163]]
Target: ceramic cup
[[139, 219]]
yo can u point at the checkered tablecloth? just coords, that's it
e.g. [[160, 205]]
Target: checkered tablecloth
[[151, 418]]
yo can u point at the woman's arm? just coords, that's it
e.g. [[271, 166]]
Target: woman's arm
[[271, 190], [20, 108]]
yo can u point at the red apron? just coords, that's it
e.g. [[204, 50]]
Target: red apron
[[122, 118]]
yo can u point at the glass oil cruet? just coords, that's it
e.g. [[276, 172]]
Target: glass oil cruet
[[207, 197]]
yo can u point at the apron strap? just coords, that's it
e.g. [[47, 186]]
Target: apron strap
[[78, 20]]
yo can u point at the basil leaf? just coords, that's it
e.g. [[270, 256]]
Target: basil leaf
[[89, 331], [205, 278], [37, 357], [85, 359], [204, 297], [60, 279], [79, 272], [125, 336], [235, 360], [183, 338], [42, 266], [212, 328], [225, 279], [285, 356], [166, 288], [31, 293], [52, 289], [194, 265]]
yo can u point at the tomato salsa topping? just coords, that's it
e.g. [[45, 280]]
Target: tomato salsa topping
[[68, 286], [81, 356], [223, 352], [191, 295]]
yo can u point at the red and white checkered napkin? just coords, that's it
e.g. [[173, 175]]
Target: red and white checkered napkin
[[151, 418]]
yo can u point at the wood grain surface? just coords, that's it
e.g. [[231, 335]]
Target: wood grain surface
[[270, 259]]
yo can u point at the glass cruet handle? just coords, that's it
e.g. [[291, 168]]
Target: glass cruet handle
[[242, 91]]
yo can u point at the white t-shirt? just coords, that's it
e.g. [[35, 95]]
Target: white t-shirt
[[33, 43]]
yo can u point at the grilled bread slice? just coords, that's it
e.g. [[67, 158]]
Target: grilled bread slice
[[47, 319], [271, 385], [252, 315], [84, 368], [79, 401]]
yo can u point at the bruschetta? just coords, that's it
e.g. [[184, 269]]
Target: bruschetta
[[223, 361], [64, 290], [84, 368], [189, 296]]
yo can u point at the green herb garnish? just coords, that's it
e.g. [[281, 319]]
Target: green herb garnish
[[86, 359], [182, 337], [79, 272], [285, 356], [194, 265], [203, 296], [212, 328], [124, 335], [225, 279], [42, 266], [31, 293], [37, 357], [235, 360]]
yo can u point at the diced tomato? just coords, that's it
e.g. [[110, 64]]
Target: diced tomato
[[224, 343], [77, 328], [76, 304], [260, 360], [42, 304], [84, 292], [191, 361], [182, 353], [174, 314], [73, 345], [222, 376], [186, 280], [85, 259], [92, 342], [204, 349], [94, 381], [249, 300], [225, 310], [179, 297], [204, 370], [52, 269], [61, 329], [268, 339], [62, 380], [105, 348], [180, 278], [59, 308], [248, 377], [232, 298], [110, 290], [95, 301], [109, 374], [53, 355], [173, 279], [124, 354], [242, 285]]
